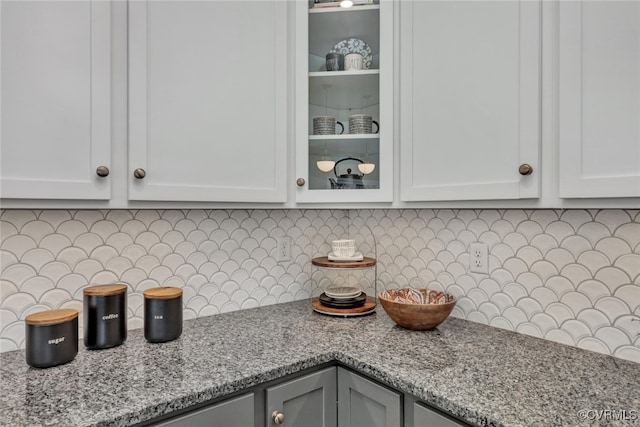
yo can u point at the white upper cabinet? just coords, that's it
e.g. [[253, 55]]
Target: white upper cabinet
[[470, 76], [208, 101], [55, 112], [354, 94], [599, 98]]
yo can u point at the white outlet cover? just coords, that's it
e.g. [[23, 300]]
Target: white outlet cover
[[479, 258], [284, 249]]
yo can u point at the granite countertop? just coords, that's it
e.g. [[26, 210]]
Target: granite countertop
[[481, 374]]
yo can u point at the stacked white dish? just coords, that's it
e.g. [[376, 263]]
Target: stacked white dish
[[343, 292], [343, 297]]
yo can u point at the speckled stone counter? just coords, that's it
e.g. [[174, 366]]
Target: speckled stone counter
[[481, 374]]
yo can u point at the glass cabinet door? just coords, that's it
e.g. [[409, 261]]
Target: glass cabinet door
[[344, 101]]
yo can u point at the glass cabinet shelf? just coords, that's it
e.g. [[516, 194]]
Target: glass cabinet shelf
[[344, 90], [344, 137], [365, 146], [331, 74]]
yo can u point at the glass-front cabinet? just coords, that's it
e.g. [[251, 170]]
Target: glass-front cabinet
[[344, 101]]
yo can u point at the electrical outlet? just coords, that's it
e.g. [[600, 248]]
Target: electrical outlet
[[284, 249], [479, 258]]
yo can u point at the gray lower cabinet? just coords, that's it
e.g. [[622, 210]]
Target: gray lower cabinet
[[330, 397], [362, 402], [236, 412], [308, 401]]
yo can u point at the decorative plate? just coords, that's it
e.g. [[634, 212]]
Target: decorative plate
[[352, 45]]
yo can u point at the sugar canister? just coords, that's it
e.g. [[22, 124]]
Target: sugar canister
[[51, 337]]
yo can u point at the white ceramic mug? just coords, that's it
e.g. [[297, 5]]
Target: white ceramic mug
[[326, 125], [353, 61], [362, 124]]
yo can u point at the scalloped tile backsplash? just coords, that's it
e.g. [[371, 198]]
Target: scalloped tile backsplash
[[569, 276]]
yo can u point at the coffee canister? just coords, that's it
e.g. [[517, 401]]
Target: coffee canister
[[162, 314], [105, 316], [51, 337]]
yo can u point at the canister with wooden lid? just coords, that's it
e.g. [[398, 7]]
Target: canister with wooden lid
[[162, 314], [51, 337], [105, 315]]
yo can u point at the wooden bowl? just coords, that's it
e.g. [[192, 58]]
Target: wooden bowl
[[419, 317]]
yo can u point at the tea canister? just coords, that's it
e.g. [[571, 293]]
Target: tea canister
[[105, 316], [51, 337], [162, 314]]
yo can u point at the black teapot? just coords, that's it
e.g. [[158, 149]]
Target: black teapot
[[348, 180]]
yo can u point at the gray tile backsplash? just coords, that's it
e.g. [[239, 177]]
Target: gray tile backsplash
[[569, 276]]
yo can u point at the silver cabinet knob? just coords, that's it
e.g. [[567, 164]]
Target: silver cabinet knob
[[102, 171], [139, 173], [277, 416], [525, 169], [300, 182]]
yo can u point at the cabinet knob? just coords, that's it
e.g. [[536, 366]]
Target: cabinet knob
[[102, 171], [300, 182], [525, 169], [139, 173], [278, 417]]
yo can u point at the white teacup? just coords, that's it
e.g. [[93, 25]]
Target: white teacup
[[353, 61]]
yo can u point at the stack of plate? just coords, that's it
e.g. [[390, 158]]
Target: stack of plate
[[343, 297]]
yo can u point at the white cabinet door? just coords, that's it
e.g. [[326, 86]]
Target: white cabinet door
[[55, 99], [208, 93], [470, 99], [599, 98]]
